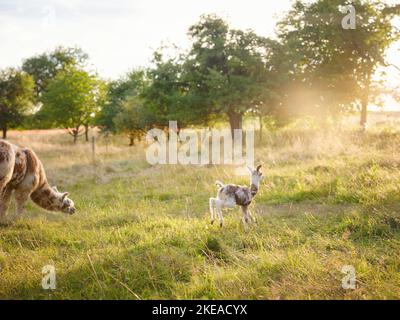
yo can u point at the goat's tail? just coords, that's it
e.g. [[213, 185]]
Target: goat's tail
[[219, 184]]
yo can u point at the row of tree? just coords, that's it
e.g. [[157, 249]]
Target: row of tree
[[51, 90], [313, 66]]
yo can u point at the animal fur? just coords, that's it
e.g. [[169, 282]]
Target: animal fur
[[231, 195], [22, 173]]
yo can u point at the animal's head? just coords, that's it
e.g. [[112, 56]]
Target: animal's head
[[62, 202], [256, 175]]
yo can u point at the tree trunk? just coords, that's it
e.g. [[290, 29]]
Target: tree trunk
[[364, 103], [75, 133], [86, 132], [260, 120], [363, 118], [178, 131], [4, 132], [235, 121], [131, 140], [75, 136]]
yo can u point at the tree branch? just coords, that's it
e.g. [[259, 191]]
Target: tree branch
[[392, 65]]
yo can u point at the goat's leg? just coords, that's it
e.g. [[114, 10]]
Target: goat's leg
[[245, 219], [219, 205], [251, 216], [5, 199], [245, 210], [212, 209]]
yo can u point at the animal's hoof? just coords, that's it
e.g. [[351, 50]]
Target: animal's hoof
[[212, 221], [221, 224]]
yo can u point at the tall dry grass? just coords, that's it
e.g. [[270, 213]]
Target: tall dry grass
[[330, 198]]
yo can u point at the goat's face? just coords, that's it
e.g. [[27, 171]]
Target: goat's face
[[256, 175]]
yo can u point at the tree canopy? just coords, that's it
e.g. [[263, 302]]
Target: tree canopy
[[132, 84], [227, 69], [334, 66], [45, 67], [72, 100], [16, 96]]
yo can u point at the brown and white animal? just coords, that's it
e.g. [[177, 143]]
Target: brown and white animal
[[22, 172], [230, 195]]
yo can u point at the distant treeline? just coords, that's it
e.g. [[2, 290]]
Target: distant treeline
[[311, 66]]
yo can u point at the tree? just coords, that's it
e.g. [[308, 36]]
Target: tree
[[167, 95], [226, 68], [133, 119], [16, 95], [45, 67], [334, 66], [118, 92], [72, 100]]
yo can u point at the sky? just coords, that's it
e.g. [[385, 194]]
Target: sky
[[119, 35]]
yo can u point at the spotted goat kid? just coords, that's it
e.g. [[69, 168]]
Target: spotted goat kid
[[22, 172], [231, 195]]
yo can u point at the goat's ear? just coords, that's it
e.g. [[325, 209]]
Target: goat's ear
[[55, 189], [64, 195], [258, 168], [250, 170]]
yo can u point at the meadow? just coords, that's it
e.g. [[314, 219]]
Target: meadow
[[330, 198]]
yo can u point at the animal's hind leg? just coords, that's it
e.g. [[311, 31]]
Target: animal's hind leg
[[219, 205], [212, 209], [5, 198]]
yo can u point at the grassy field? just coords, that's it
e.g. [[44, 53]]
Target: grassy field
[[329, 198]]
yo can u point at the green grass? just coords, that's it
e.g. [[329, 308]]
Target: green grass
[[142, 232]]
